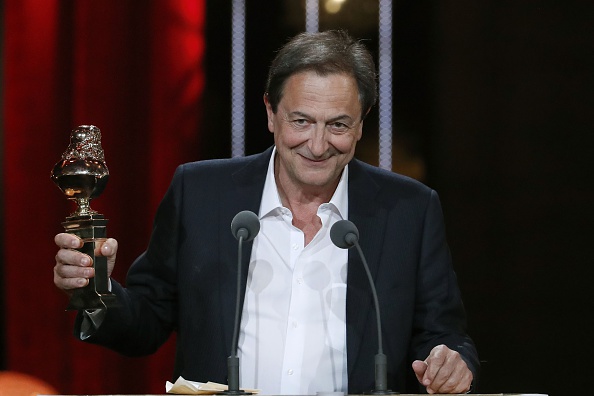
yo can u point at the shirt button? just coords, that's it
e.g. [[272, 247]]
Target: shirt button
[[295, 246], [290, 371], [295, 325], [300, 281]]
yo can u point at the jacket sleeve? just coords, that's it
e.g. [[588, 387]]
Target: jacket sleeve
[[147, 311], [439, 312]]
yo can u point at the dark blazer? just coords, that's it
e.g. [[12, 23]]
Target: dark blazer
[[186, 280]]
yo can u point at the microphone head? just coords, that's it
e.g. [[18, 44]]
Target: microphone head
[[344, 234], [245, 224]]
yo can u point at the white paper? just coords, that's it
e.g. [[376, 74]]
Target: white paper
[[185, 387]]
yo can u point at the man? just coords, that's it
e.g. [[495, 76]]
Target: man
[[308, 320]]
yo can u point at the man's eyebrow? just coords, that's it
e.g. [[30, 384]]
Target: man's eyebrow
[[342, 117], [299, 114]]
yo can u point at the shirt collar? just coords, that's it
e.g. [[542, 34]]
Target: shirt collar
[[271, 202]]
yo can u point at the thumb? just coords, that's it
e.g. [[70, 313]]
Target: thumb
[[109, 249], [419, 367]]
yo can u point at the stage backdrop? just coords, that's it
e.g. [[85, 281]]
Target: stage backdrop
[[134, 69]]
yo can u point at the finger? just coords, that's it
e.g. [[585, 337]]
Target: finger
[[70, 284], [73, 257], [434, 361], [459, 380], [442, 383], [453, 376], [466, 383], [69, 277], [73, 271], [67, 241], [462, 383], [107, 247], [441, 378], [419, 367]]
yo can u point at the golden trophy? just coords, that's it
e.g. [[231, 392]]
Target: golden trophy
[[81, 175]]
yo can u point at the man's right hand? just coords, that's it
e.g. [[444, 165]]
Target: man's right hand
[[74, 269]]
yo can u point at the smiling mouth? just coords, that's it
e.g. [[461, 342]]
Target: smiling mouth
[[315, 160]]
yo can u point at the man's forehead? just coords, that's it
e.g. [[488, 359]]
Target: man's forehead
[[328, 91]]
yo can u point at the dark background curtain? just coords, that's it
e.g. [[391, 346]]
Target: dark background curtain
[[493, 109]]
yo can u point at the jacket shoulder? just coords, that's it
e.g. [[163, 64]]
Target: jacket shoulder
[[223, 168], [386, 181]]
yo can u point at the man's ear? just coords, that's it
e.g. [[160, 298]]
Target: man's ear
[[365, 115], [360, 131], [269, 113]]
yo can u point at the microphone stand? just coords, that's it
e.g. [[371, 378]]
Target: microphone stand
[[344, 234], [233, 359], [381, 361]]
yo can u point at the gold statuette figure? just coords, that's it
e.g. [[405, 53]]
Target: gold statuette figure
[[81, 175]]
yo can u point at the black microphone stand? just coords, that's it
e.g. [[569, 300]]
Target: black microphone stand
[[233, 359], [242, 232], [381, 361], [344, 234], [245, 226]]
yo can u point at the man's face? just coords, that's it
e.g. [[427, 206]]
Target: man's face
[[316, 128]]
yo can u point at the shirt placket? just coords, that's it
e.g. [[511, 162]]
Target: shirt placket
[[295, 337]]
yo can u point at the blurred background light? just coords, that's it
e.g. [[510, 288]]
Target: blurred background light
[[238, 79]]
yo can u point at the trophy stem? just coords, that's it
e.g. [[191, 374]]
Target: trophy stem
[[84, 207]]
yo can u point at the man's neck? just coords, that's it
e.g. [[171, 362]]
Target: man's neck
[[303, 202]]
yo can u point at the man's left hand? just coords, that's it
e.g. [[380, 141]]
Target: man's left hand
[[443, 371]]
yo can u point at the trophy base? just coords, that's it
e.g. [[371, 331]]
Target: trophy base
[[91, 229], [83, 299]]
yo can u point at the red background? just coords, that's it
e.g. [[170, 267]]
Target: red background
[[134, 69], [492, 104]]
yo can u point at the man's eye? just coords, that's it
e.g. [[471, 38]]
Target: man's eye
[[300, 122], [339, 126]]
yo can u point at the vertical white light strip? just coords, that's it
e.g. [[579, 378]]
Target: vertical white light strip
[[312, 16], [238, 79], [385, 84]]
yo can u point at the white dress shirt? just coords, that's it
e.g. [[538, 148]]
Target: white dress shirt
[[293, 332]]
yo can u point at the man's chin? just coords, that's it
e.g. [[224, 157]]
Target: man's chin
[[318, 180]]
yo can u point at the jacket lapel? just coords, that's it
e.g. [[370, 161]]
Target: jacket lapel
[[369, 217], [245, 193]]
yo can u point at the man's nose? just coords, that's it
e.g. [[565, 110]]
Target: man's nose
[[318, 143]]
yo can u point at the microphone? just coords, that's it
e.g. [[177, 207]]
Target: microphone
[[344, 234], [244, 227]]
